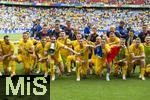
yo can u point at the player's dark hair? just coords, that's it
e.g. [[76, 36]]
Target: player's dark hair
[[44, 25], [6, 36], [138, 38], [53, 36], [63, 31]]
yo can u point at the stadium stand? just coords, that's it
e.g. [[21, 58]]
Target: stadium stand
[[18, 19]]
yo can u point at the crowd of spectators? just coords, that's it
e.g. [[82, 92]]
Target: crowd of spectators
[[14, 18]]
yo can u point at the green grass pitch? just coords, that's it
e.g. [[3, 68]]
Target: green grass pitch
[[13, 37], [66, 88], [93, 88]]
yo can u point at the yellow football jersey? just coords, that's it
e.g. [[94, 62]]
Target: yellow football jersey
[[62, 50], [74, 43], [105, 51], [136, 50], [24, 47], [84, 52], [57, 47], [40, 50], [114, 41], [7, 48], [33, 41]]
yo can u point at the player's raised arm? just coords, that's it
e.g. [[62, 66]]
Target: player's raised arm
[[60, 45]]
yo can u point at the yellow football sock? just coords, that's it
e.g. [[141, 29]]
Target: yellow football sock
[[52, 69], [124, 70], [142, 72]]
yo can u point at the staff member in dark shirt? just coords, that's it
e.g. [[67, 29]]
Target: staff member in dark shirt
[[112, 29], [43, 33], [87, 29], [93, 35], [75, 32], [49, 29], [69, 30], [58, 23], [144, 33], [130, 37], [56, 31], [121, 32], [36, 29]]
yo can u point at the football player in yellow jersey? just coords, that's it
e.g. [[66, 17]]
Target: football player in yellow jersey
[[147, 54], [101, 62], [48, 39], [41, 58], [138, 56], [25, 52], [32, 57], [7, 51], [113, 39], [52, 49], [76, 42], [34, 43], [82, 62], [92, 61], [71, 58], [130, 68], [64, 40], [120, 61]]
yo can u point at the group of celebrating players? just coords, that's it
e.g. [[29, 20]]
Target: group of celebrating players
[[58, 54]]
